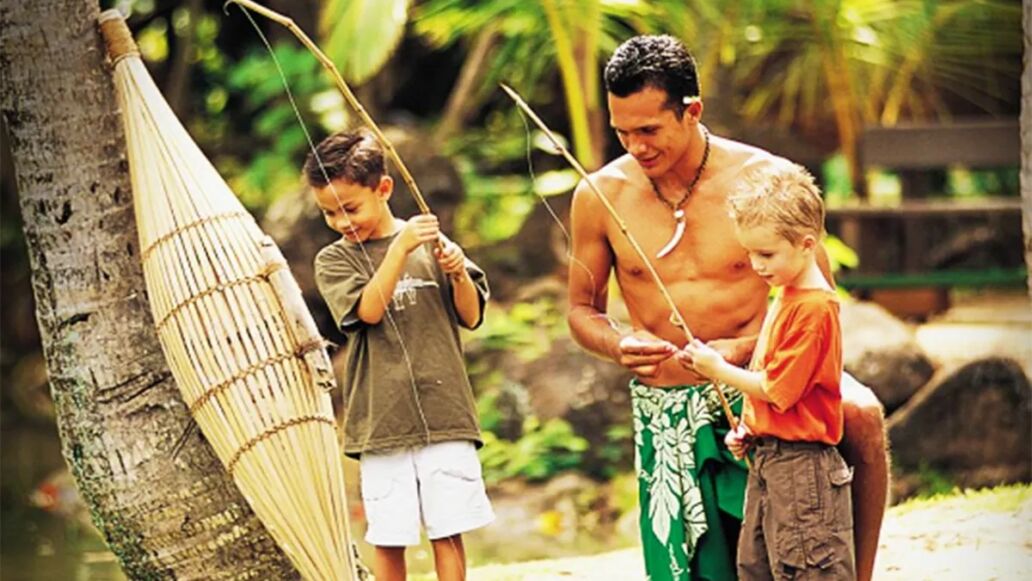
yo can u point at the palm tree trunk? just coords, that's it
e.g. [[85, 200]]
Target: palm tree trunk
[[1026, 141], [573, 87], [118, 410], [459, 106]]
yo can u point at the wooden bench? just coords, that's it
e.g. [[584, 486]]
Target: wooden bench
[[905, 247]]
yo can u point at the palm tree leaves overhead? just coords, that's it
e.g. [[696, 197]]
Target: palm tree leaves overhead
[[524, 50], [811, 64], [360, 35], [535, 38], [873, 52]]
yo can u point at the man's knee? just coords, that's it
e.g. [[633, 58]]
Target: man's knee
[[864, 419]]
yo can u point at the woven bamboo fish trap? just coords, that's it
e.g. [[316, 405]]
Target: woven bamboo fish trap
[[238, 338]]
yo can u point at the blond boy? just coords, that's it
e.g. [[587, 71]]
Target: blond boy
[[798, 515]]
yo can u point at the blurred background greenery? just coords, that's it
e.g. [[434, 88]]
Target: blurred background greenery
[[802, 79]]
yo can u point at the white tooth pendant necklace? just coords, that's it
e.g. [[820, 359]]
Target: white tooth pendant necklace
[[679, 219]]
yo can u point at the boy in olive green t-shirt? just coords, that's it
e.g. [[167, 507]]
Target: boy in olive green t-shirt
[[410, 416]]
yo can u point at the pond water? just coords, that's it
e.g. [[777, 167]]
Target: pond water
[[61, 543], [36, 544]]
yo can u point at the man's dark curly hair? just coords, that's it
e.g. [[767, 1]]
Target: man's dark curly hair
[[660, 62], [354, 156]]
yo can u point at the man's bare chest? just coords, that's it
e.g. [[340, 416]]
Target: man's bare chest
[[706, 249]]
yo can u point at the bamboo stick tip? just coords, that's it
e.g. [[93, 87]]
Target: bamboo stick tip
[[109, 14], [116, 34]]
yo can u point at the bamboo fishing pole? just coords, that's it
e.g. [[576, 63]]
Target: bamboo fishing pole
[[345, 91], [675, 314], [353, 101]]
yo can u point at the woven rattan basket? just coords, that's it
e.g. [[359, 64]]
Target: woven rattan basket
[[239, 341]]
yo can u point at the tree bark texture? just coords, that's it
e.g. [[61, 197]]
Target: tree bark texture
[[1026, 139], [119, 412]]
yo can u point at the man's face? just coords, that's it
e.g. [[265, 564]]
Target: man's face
[[353, 210], [650, 131]]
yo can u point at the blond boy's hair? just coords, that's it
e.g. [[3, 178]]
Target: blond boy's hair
[[783, 196]]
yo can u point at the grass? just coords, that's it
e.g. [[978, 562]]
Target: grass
[[1004, 498]]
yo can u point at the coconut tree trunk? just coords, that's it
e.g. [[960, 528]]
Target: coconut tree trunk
[[118, 410], [1026, 141]]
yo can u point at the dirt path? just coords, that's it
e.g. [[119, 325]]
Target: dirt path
[[978, 536]]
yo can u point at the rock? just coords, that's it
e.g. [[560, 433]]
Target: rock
[[971, 423], [539, 249], [996, 323], [588, 392], [550, 519], [512, 406], [881, 352]]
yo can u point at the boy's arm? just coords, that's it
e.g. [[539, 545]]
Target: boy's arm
[[736, 351], [467, 299], [466, 296], [378, 292], [711, 364]]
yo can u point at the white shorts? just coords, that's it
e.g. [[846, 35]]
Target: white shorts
[[439, 484]]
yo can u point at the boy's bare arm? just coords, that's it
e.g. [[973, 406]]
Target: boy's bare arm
[[378, 292], [737, 351], [710, 363], [465, 296], [591, 263], [467, 299]]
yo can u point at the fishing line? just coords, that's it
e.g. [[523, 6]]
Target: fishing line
[[368, 258], [365, 253], [566, 234]]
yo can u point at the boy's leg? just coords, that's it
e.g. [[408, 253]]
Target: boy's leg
[[390, 499], [389, 564], [753, 562], [864, 447], [453, 501], [806, 524], [449, 558]]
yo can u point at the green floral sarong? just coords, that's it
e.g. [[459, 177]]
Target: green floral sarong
[[691, 490]]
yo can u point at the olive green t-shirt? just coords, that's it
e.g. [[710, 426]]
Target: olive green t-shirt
[[406, 382]]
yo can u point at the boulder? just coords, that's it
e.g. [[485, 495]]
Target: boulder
[[538, 250], [551, 519], [589, 393], [881, 352], [971, 423]]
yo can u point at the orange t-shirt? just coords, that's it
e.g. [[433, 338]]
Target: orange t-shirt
[[803, 368]]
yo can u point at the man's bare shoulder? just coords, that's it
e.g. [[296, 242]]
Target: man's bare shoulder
[[742, 157], [614, 179]]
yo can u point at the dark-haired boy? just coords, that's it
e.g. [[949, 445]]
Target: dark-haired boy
[[411, 417]]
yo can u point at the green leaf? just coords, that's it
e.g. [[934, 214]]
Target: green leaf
[[556, 182], [362, 34], [840, 254]]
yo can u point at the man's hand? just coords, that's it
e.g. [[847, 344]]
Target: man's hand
[[642, 352], [418, 230], [739, 440], [700, 357], [450, 257]]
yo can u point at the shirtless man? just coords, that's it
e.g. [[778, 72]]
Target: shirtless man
[[675, 170]]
